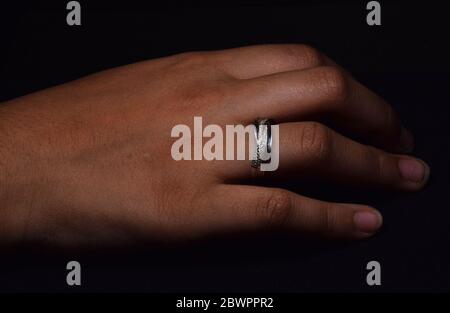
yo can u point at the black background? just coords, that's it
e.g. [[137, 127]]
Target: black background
[[406, 60]]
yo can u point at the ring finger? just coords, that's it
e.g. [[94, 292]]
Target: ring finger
[[310, 149]]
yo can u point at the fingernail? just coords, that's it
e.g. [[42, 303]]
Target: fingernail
[[367, 222], [406, 140], [413, 170]]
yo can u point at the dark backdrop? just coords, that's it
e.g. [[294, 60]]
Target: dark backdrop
[[406, 60]]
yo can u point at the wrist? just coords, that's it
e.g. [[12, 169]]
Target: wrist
[[20, 181]]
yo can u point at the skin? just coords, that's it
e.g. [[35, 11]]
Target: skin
[[89, 162]]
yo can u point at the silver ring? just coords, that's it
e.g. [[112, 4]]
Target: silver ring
[[263, 138]]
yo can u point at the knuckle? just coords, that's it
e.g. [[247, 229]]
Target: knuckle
[[335, 84], [276, 208], [391, 122], [191, 59], [312, 57], [195, 98], [329, 221], [302, 55], [380, 166], [326, 219], [316, 142], [204, 94]]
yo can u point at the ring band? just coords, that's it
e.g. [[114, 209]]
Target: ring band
[[263, 138]]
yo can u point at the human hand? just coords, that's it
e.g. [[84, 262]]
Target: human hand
[[90, 161]]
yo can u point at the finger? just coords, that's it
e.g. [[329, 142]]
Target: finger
[[253, 208], [322, 92], [310, 149], [254, 61]]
